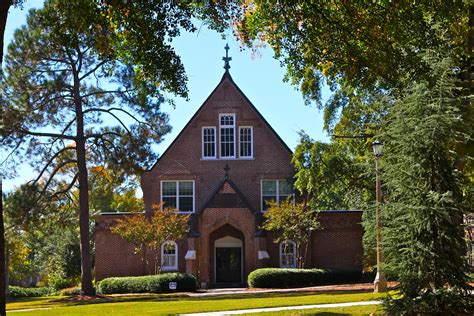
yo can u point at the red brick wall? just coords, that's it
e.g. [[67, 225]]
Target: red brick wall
[[216, 223], [183, 160], [116, 257], [338, 245]]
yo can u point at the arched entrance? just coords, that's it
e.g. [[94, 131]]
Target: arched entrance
[[227, 256], [228, 261]]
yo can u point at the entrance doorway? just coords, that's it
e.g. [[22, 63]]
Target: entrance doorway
[[228, 260]]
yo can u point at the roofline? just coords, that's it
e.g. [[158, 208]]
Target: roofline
[[226, 75], [261, 116]]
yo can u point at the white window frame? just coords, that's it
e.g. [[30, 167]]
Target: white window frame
[[220, 135], [177, 194], [215, 142], [277, 191], [281, 247], [175, 266], [251, 141]]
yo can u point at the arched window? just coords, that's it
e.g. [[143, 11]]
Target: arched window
[[169, 256], [288, 254]]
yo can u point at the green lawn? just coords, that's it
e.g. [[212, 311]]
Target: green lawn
[[351, 310], [173, 304]]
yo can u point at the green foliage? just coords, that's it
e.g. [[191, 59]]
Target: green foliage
[[424, 236], [148, 284], [57, 282], [356, 47], [334, 175], [152, 231], [294, 221], [18, 292], [291, 278], [438, 302], [71, 291]]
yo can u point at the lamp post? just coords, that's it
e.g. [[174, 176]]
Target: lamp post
[[380, 284]]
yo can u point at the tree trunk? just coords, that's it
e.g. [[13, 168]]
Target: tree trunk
[[86, 270], [3, 279], [4, 7]]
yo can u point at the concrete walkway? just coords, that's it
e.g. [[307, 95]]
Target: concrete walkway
[[315, 289], [284, 308]]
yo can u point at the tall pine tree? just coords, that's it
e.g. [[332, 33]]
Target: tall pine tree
[[424, 241]]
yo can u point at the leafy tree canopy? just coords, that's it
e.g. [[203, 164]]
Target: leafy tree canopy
[[357, 48], [152, 231], [292, 221]]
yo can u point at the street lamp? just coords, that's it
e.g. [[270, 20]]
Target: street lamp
[[380, 284]]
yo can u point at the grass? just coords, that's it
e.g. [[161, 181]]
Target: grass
[[350, 310], [156, 304]]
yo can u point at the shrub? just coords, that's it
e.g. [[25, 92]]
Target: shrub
[[290, 278], [17, 291], [150, 283], [70, 291], [59, 283]]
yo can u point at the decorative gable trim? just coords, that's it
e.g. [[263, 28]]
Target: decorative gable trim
[[227, 188]]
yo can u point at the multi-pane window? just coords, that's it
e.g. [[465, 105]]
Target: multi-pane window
[[288, 254], [227, 137], [209, 142], [169, 256], [178, 194], [245, 138], [276, 191]]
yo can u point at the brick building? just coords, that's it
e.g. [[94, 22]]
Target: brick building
[[221, 168]]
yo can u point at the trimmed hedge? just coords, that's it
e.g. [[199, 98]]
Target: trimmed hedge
[[151, 283], [290, 278], [17, 291]]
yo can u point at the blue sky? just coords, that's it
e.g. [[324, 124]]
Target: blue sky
[[259, 76]]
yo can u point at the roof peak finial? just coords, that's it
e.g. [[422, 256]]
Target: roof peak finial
[[226, 59]]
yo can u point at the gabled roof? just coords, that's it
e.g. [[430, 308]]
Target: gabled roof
[[222, 197], [229, 77]]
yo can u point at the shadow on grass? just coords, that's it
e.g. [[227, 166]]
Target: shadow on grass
[[184, 297]]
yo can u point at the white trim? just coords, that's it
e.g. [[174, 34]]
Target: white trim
[[220, 135], [277, 195], [251, 142], [177, 194], [202, 143], [224, 242], [175, 266], [294, 253]]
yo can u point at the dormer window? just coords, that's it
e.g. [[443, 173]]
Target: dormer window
[[227, 135]]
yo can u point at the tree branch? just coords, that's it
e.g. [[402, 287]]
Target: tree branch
[[94, 69], [53, 173], [69, 187], [61, 136], [109, 112], [97, 135], [48, 163]]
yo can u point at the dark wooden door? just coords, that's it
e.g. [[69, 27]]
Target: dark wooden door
[[228, 265]]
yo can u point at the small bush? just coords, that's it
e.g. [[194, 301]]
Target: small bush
[[17, 291], [290, 278], [150, 283], [70, 291], [59, 283]]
